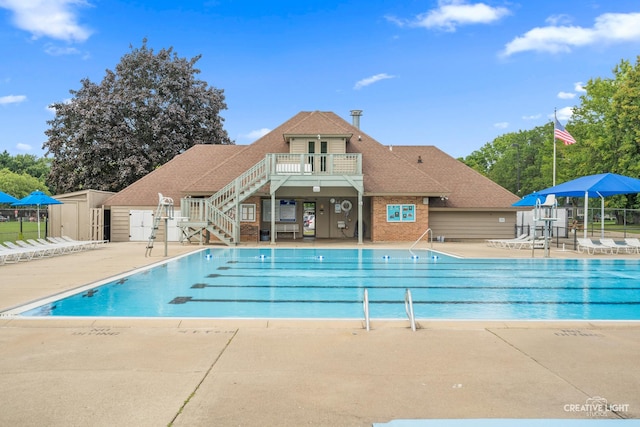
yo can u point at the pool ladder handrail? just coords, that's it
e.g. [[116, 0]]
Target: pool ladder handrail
[[427, 231], [365, 306], [408, 308]]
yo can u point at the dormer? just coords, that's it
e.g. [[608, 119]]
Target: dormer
[[320, 143]]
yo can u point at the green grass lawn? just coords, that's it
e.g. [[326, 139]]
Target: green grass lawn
[[613, 227], [10, 231]]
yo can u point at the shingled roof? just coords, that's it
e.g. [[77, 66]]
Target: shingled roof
[[204, 169], [469, 189], [172, 177]]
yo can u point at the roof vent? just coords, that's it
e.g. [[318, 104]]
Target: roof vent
[[355, 118]]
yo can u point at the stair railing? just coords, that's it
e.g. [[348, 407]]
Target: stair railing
[[219, 205], [427, 231], [224, 198]]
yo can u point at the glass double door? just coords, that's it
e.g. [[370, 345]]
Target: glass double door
[[319, 163], [309, 219]]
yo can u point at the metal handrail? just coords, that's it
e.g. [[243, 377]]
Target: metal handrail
[[428, 230], [365, 304], [408, 308]]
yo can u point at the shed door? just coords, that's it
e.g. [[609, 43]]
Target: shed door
[[69, 221], [140, 225]]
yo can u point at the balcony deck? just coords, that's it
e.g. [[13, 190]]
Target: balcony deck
[[315, 164]]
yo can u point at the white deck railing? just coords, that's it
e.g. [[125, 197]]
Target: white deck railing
[[315, 164]]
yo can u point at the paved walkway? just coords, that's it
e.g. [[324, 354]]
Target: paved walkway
[[207, 372]]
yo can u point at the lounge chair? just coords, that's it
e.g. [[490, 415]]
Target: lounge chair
[[80, 244], [633, 242], [91, 244], [8, 256], [41, 251], [526, 243], [29, 250], [615, 246], [64, 245], [19, 254], [536, 242], [586, 244], [54, 249], [503, 243]]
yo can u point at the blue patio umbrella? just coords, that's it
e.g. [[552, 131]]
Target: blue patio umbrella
[[529, 200], [6, 198], [37, 198], [600, 185]]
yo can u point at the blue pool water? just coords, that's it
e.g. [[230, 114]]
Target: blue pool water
[[330, 283]]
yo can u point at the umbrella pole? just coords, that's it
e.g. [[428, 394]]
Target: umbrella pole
[[601, 217], [38, 213], [586, 213]]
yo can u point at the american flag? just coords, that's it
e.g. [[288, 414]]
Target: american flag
[[559, 132]]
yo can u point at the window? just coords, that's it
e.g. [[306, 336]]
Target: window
[[401, 213], [248, 212]]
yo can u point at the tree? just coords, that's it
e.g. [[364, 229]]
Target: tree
[[527, 153], [26, 164], [606, 125], [19, 185], [597, 150], [140, 116]]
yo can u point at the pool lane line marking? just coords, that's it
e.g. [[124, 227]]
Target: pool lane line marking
[[479, 287], [183, 300]]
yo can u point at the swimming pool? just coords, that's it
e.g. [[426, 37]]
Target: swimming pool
[[330, 283]]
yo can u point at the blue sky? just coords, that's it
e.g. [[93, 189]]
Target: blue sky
[[450, 73]]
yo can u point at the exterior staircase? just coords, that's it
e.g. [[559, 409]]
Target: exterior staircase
[[219, 214]]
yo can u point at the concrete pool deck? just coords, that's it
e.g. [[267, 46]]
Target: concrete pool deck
[[202, 372]]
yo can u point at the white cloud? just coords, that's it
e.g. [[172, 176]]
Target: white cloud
[[608, 28], [577, 86], [12, 99], [59, 51], [371, 80], [23, 147], [562, 19], [399, 22], [532, 117], [566, 95], [48, 18], [451, 14], [255, 134], [501, 125]]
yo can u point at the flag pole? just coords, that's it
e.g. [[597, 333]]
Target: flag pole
[[554, 147]]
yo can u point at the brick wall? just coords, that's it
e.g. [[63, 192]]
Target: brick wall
[[250, 231], [383, 231]]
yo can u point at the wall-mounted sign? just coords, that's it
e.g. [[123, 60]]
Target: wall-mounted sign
[[285, 210], [401, 213]]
